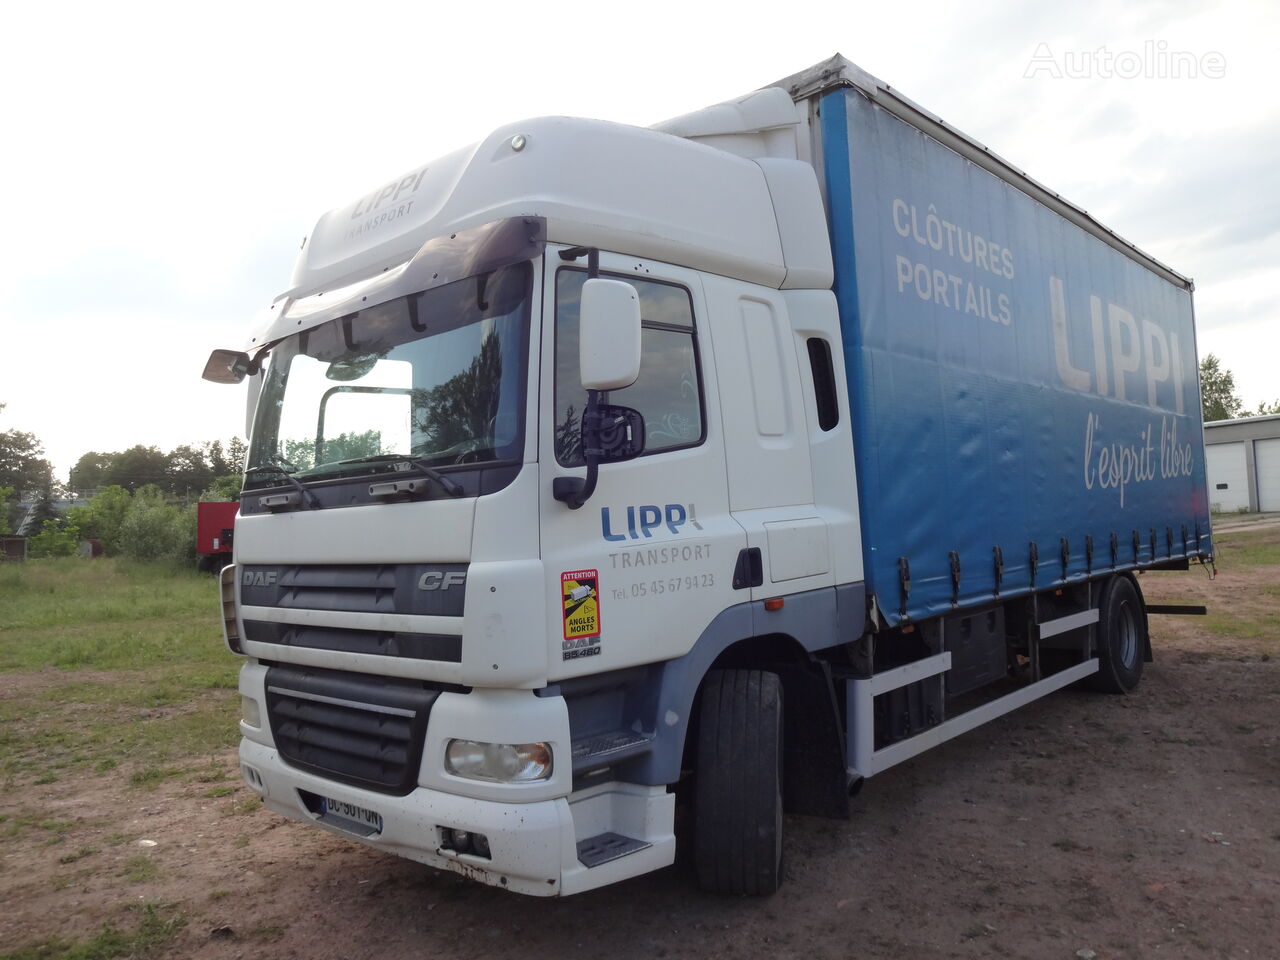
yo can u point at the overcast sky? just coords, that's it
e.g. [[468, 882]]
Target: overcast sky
[[162, 162]]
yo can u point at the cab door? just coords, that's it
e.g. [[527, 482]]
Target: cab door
[[770, 441], [639, 571]]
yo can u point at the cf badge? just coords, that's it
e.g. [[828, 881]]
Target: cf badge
[[439, 580]]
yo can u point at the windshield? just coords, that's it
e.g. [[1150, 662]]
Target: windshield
[[437, 376]]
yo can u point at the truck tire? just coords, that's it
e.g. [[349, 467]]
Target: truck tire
[[738, 783], [1122, 637]]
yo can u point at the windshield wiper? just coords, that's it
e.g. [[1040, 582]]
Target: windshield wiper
[[313, 502], [451, 487]]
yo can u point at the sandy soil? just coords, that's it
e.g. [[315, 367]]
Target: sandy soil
[[1137, 826]]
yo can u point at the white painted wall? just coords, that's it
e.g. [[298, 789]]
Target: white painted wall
[[1225, 464], [1266, 457]]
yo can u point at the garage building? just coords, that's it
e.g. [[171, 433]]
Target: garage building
[[1242, 463]]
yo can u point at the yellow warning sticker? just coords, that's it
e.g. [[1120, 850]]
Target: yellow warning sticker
[[580, 593]]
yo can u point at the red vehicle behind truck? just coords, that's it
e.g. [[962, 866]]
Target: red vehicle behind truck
[[215, 530]]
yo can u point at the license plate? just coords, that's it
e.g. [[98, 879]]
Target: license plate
[[348, 815]]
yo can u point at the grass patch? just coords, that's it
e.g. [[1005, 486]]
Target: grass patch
[[1248, 621], [246, 807], [37, 734], [140, 868], [162, 686], [70, 592], [225, 790], [1248, 548], [78, 855], [213, 774], [151, 777], [155, 929]]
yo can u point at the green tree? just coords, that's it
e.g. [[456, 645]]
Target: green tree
[[7, 502], [345, 446], [1218, 399], [90, 471], [236, 450], [103, 517], [188, 471], [1265, 409], [138, 466], [153, 530], [300, 453], [58, 537], [44, 512], [218, 459], [22, 463], [458, 415], [223, 488]]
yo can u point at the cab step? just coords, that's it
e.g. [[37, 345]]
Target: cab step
[[605, 749], [605, 847]]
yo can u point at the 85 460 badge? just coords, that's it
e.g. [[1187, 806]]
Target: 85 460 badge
[[580, 609]]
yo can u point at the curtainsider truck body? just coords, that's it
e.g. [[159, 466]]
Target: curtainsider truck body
[[750, 455]]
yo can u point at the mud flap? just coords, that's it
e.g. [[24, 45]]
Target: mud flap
[[815, 783]]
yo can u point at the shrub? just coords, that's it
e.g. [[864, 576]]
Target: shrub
[[154, 530], [103, 517], [54, 540], [223, 488]]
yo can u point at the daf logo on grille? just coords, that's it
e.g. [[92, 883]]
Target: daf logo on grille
[[438, 580], [259, 578]]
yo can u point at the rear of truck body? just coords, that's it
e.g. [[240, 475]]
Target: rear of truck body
[[910, 422], [215, 534]]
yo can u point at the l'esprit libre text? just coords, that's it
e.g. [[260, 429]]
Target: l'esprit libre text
[[943, 287], [1115, 465]]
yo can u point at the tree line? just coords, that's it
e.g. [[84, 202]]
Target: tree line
[[183, 471], [141, 500]]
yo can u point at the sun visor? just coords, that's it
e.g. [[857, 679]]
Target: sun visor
[[440, 260]]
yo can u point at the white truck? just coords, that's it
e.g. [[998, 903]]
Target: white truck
[[758, 451]]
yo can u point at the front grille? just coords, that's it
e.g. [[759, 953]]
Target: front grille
[[415, 589], [382, 643], [357, 729], [365, 589], [426, 589]]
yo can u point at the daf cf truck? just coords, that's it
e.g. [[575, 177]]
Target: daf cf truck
[[744, 456]]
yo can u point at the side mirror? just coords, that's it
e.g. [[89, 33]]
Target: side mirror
[[227, 366], [621, 433], [609, 335]]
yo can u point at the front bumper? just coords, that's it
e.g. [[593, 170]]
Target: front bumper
[[533, 829], [533, 846]]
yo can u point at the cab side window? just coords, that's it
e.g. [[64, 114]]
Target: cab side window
[[668, 391]]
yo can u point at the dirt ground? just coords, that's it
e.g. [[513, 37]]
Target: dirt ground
[[1085, 825]]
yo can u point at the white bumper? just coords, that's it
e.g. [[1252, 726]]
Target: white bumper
[[533, 842]]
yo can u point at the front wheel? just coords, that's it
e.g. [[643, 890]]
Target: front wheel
[[1122, 637], [738, 783]]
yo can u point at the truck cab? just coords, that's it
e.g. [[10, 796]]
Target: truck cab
[[444, 658]]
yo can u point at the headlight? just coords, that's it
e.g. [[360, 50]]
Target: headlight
[[498, 762], [250, 712]]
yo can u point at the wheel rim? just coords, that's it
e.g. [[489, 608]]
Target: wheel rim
[[1127, 635]]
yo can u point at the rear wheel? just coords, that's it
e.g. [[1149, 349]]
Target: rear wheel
[[738, 783], [1122, 637]]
